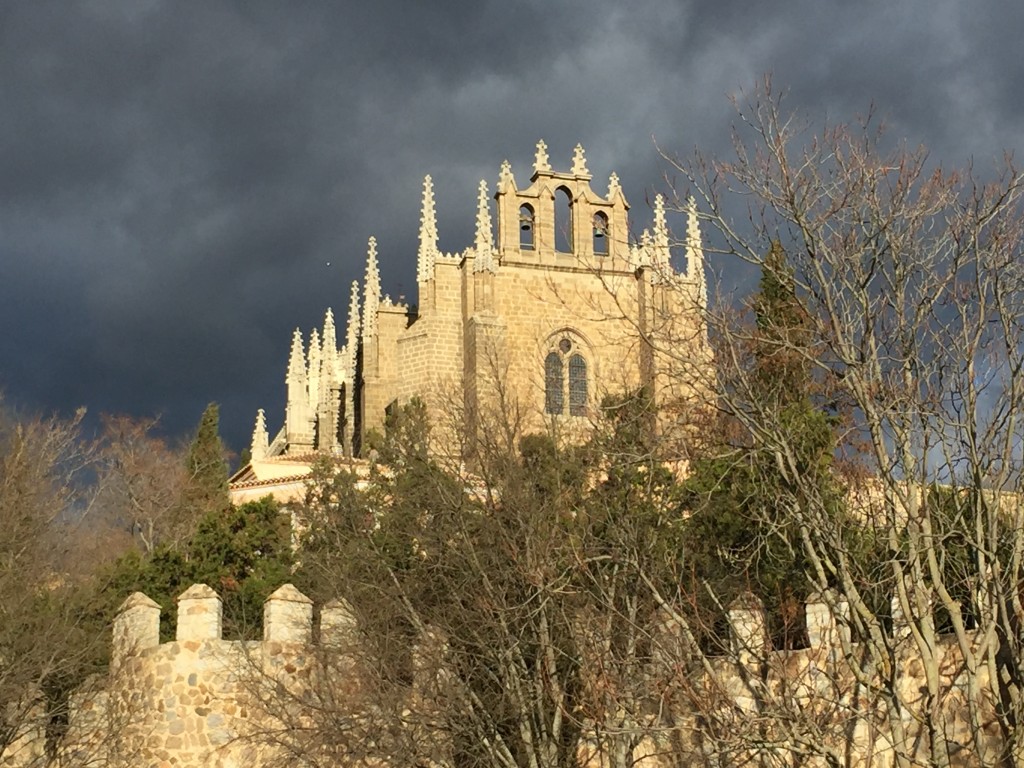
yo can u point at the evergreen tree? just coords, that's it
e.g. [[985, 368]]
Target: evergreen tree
[[243, 552], [742, 533], [207, 471]]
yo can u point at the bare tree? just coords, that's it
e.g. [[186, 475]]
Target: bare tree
[[46, 641], [911, 282], [141, 481], [502, 617], [563, 605]]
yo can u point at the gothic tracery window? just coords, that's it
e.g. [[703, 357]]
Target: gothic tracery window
[[559, 389]]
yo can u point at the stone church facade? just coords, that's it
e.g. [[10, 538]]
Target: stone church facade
[[551, 308]]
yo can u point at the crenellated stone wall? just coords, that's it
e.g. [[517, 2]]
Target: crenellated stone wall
[[201, 700], [834, 697]]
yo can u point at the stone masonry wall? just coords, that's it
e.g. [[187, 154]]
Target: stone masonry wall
[[201, 700]]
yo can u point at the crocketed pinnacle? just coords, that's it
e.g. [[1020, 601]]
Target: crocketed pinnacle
[[428, 234], [260, 439], [484, 261], [330, 337], [614, 187], [371, 289], [579, 162], [541, 162], [297, 360], [660, 227], [313, 369], [328, 364], [695, 253], [329, 352], [352, 331], [506, 181], [643, 251]]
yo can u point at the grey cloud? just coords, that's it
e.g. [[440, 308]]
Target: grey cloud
[[176, 176]]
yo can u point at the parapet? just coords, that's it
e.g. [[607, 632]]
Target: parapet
[[826, 619], [287, 618]]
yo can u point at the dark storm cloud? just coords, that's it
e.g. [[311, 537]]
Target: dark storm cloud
[[176, 176]]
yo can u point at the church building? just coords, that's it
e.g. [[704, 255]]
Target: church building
[[553, 307]]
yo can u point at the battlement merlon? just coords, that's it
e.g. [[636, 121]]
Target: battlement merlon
[[200, 614], [136, 627], [287, 618]]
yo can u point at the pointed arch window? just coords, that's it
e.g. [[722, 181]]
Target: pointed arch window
[[560, 389], [526, 227], [600, 234]]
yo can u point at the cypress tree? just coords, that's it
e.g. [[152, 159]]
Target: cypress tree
[[742, 533], [207, 470]]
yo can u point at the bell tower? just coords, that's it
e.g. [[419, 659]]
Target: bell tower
[[559, 220]]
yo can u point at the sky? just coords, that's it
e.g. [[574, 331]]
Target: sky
[[185, 182]]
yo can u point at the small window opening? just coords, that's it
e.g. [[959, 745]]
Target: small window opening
[[563, 220], [600, 234], [525, 228]]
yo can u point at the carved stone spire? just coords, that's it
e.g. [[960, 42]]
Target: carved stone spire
[[260, 439], [428, 234], [579, 162], [659, 249], [329, 351], [313, 370], [643, 250], [660, 227], [506, 181], [695, 253], [484, 261], [351, 360], [352, 332], [298, 415], [371, 289], [327, 403], [297, 359], [541, 162]]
